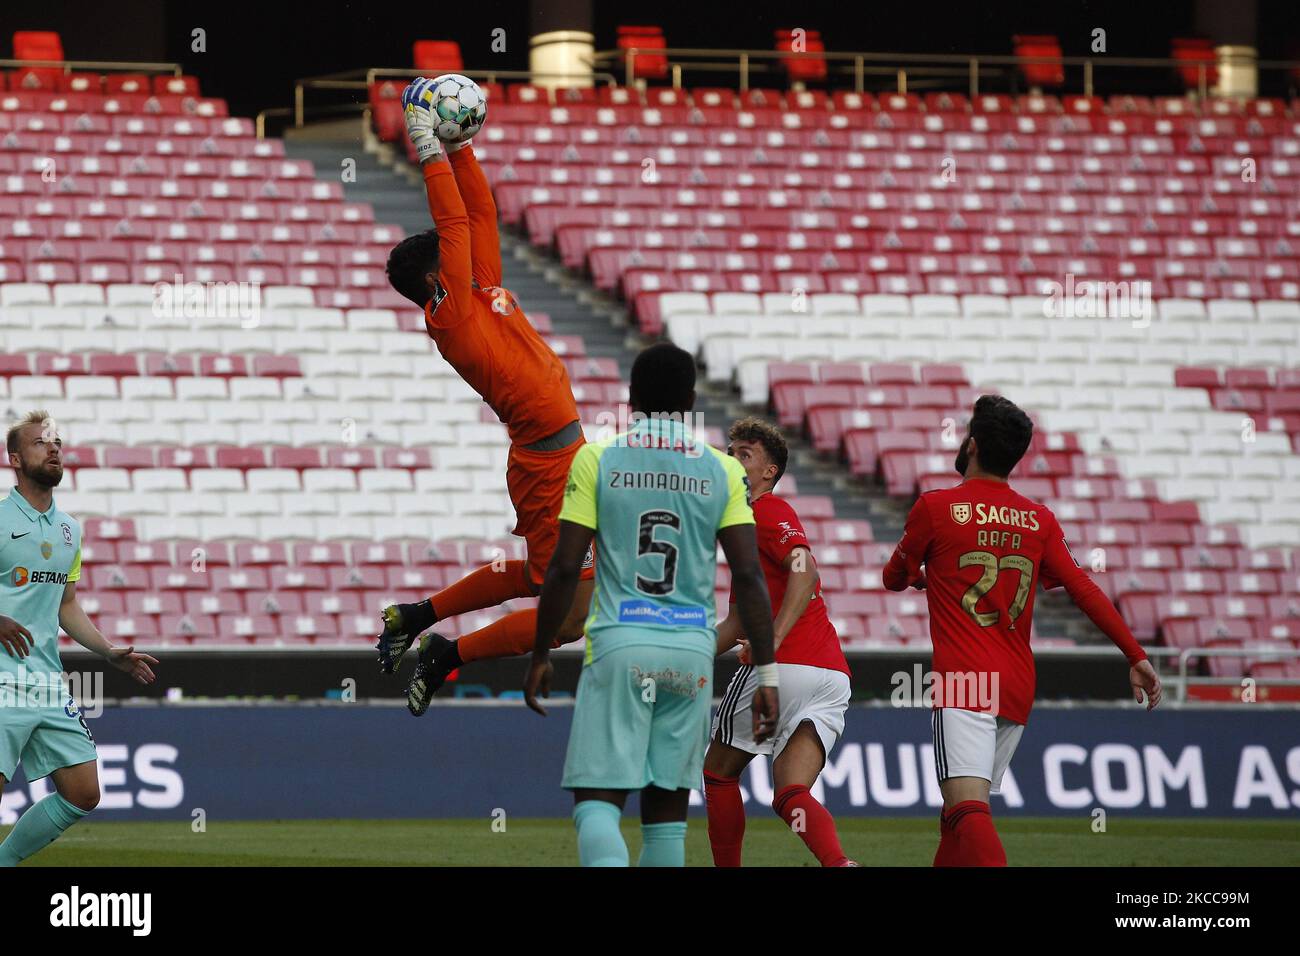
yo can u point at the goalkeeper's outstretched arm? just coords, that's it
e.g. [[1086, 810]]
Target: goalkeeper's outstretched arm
[[454, 261], [485, 241], [445, 204]]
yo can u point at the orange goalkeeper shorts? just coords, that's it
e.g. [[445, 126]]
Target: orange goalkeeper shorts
[[536, 481]]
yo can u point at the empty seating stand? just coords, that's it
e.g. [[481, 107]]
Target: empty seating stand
[[273, 482]]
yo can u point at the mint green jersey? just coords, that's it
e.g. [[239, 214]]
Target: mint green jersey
[[40, 552], [656, 497]]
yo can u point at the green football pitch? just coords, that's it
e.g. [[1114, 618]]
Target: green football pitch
[[1128, 841]]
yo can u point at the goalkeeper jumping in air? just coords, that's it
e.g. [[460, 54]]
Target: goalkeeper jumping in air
[[454, 274]]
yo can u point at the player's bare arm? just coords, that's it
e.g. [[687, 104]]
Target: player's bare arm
[[73, 620], [1144, 680], [729, 633], [800, 585], [558, 589], [754, 607]]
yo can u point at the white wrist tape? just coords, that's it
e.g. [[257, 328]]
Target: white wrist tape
[[766, 674]]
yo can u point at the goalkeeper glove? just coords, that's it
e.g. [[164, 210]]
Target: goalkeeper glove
[[418, 105]]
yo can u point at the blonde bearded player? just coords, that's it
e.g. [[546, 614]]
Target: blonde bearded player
[[41, 726]]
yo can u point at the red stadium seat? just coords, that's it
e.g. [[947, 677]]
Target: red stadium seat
[[435, 57], [808, 67], [646, 64], [38, 45], [1198, 61], [1040, 47]]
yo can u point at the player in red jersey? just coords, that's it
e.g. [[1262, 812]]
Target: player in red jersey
[[813, 672], [985, 548], [454, 275]]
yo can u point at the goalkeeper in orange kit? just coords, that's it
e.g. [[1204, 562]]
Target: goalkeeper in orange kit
[[454, 274]]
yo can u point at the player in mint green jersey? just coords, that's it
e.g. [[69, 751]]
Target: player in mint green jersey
[[659, 501], [41, 725]]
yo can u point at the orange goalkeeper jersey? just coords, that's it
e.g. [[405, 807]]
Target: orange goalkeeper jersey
[[477, 325]]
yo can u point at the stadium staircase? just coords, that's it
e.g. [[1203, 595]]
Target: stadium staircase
[[709, 214], [914, 304], [862, 512]]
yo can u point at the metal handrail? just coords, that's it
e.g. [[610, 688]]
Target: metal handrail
[[69, 65], [362, 79], [1262, 650], [741, 61]]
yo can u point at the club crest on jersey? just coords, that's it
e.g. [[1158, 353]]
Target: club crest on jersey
[[47, 549], [961, 512]]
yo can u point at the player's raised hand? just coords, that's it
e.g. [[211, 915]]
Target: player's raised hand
[[538, 682], [417, 106], [1145, 682], [766, 709], [17, 640], [136, 665]]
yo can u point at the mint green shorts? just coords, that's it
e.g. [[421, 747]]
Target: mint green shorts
[[641, 718], [43, 739]]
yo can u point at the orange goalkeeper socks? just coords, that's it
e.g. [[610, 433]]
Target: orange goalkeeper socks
[[487, 587], [511, 635]]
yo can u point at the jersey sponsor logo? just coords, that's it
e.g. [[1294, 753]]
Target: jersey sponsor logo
[[961, 512], [22, 576], [589, 561], [670, 681], [1001, 514], [788, 532], [648, 612], [14, 535]]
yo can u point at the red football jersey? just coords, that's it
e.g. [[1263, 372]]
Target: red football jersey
[[985, 549], [812, 640]]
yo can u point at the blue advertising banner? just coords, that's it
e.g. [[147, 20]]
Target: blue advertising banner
[[466, 760]]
